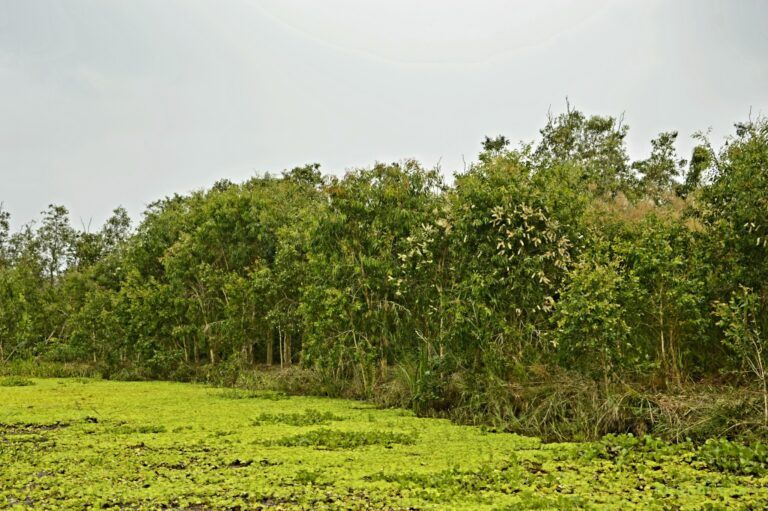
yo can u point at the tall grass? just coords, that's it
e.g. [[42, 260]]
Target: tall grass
[[555, 406], [34, 368]]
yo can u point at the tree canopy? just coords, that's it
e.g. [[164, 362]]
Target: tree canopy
[[560, 253]]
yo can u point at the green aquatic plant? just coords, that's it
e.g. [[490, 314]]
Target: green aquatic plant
[[158, 445], [310, 417], [15, 381], [735, 458], [331, 439]]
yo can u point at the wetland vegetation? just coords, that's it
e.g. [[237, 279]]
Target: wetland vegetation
[[556, 289], [94, 444]]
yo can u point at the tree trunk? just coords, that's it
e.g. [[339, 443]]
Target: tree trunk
[[287, 350], [674, 353], [765, 401], [661, 337], [763, 379]]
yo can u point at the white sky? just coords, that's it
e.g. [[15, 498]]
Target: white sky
[[107, 102]]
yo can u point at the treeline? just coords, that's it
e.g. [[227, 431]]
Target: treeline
[[555, 261]]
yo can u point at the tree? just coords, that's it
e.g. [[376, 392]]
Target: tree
[[307, 175], [658, 171], [594, 317], [701, 162], [17, 313], [660, 249], [5, 221], [596, 144], [353, 317], [56, 240], [734, 211], [116, 230], [493, 147], [743, 320]]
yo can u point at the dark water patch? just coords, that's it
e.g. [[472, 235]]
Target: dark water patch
[[143, 429], [238, 463], [29, 428]]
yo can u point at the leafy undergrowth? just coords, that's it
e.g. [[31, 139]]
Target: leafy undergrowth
[[154, 445]]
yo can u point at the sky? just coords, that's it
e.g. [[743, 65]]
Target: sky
[[122, 102]]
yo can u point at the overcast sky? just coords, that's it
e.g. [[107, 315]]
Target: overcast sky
[[105, 103]]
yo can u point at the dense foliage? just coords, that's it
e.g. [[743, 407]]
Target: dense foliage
[[559, 257]]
